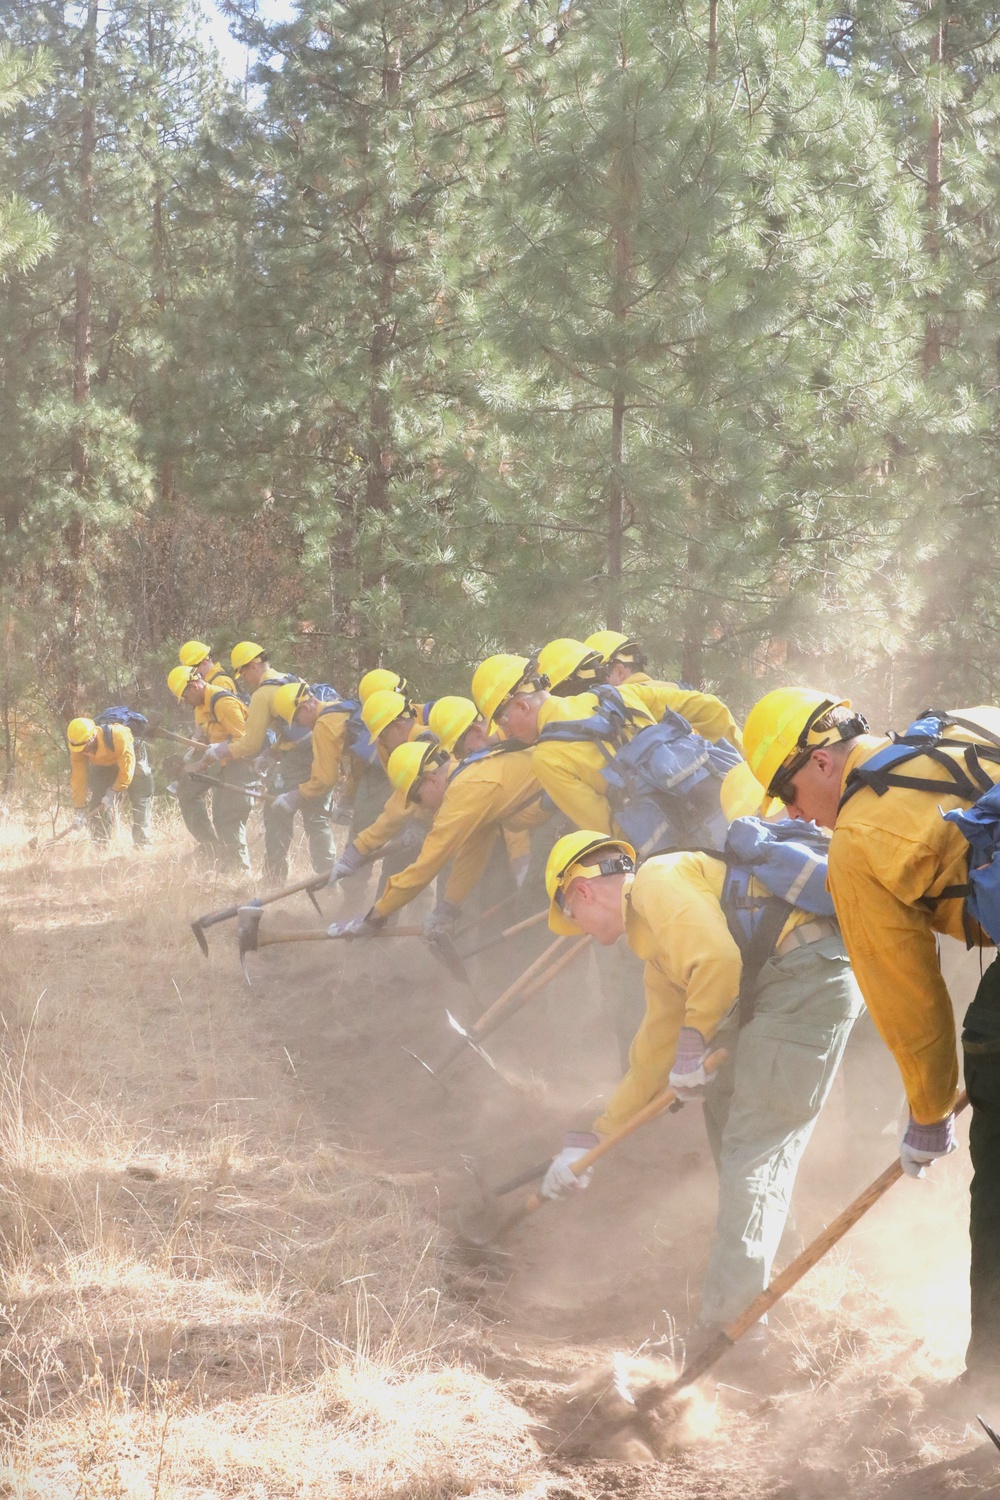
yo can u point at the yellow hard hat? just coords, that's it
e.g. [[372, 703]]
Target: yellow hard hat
[[742, 795], [566, 658], [79, 733], [288, 699], [179, 680], [382, 709], [193, 653], [409, 762], [566, 863], [495, 679], [614, 646], [779, 730], [449, 718], [245, 651], [381, 680]]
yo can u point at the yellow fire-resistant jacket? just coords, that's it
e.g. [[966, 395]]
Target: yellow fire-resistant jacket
[[328, 739], [570, 771], [887, 856], [120, 753], [260, 719], [707, 715], [397, 812], [675, 921], [220, 715], [482, 795]]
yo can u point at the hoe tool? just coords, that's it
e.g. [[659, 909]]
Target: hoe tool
[[782, 1283], [181, 739], [250, 940], [244, 791], [232, 913], [487, 1229], [36, 842], [310, 886], [535, 977]]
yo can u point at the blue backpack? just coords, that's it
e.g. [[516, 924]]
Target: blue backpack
[[970, 779], [119, 714], [663, 779], [789, 859]]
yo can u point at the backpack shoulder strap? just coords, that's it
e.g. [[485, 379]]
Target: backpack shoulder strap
[[756, 939], [108, 737]]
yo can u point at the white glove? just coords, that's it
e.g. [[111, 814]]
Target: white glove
[[289, 802], [922, 1144], [352, 859], [218, 752], [366, 926], [559, 1179], [688, 1078], [441, 921], [190, 755], [79, 819], [109, 801], [173, 787]]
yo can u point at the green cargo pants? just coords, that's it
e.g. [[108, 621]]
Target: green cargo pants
[[981, 1045], [294, 767], [101, 779], [762, 1106]]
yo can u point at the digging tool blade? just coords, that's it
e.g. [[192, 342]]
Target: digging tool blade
[[200, 937], [427, 1069], [469, 1040], [442, 945], [247, 936], [994, 1437], [312, 897]]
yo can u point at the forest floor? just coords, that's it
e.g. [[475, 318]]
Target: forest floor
[[228, 1248]]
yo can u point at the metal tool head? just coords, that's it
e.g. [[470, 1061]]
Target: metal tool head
[[200, 938], [449, 955], [994, 1437], [247, 935], [312, 897], [469, 1040], [427, 1069]]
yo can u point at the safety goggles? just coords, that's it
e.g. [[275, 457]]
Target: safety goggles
[[782, 782], [432, 759], [619, 864]]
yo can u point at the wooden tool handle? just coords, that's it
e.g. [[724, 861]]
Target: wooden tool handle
[[320, 935], [655, 1107], [796, 1269]]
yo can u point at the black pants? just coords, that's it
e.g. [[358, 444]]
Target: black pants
[[981, 1044]]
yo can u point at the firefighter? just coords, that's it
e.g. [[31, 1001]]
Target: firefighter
[[220, 717], [624, 665], [898, 875], [106, 763], [783, 1054]]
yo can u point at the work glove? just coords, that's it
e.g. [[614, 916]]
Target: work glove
[[173, 787], [366, 926], [219, 752], [79, 819], [410, 838], [109, 801], [346, 864], [921, 1144], [441, 921], [559, 1179], [519, 869], [190, 755], [688, 1078], [289, 802]]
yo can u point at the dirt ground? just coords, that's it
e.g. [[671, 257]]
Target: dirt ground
[[231, 1251]]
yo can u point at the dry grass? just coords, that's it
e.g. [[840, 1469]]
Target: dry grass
[[201, 1295]]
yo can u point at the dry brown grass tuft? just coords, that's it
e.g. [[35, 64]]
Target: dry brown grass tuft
[[201, 1295]]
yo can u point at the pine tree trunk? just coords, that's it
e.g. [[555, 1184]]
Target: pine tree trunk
[[75, 531], [932, 239]]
